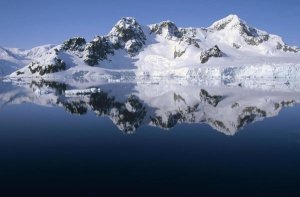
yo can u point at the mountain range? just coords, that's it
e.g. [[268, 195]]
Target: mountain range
[[228, 48]]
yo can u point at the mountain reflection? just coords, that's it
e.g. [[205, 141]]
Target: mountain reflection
[[226, 108]]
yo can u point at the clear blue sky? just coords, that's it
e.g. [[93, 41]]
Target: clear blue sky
[[28, 23]]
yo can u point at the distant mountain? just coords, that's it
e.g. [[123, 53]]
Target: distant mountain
[[12, 59], [161, 49]]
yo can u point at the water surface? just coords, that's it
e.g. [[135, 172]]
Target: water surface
[[149, 138]]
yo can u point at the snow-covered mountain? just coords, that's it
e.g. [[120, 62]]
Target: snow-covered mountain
[[227, 48], [12, 59]]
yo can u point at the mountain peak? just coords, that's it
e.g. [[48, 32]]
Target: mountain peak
[[125, 23], [128, 34], [235, 28], [233, 17], [229, 21], [167, 29]]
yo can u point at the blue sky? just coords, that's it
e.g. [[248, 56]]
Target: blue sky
[[30, 23]]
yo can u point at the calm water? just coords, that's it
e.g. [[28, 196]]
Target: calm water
[[140, 138]]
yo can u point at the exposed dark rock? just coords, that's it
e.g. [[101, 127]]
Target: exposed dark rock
[[128, 34], [169, 26], [74, 44], [237, 46], [222, 26], [212, 52], [251, 35], [20, 73], [287, 48], [210, 99], [189, 41], [133, 47], [191, 32], [59, 65], [178, 53], [97, 50], [183, 44], [256, 40], [234, 105]]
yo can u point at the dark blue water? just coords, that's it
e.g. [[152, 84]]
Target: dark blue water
[[48, 152]]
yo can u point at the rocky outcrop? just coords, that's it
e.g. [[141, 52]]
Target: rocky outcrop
[[212, 52], [178, 52], [183, 44], [127, 34], [167, 29], [252, 36], [189, 41], [97, 50], [287, 48], [74, 44], [56, 66]]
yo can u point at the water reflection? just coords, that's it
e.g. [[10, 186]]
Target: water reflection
[[226, 107]]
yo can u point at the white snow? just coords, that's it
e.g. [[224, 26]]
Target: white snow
[[157, 58], [252, 79], [12, 59]]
